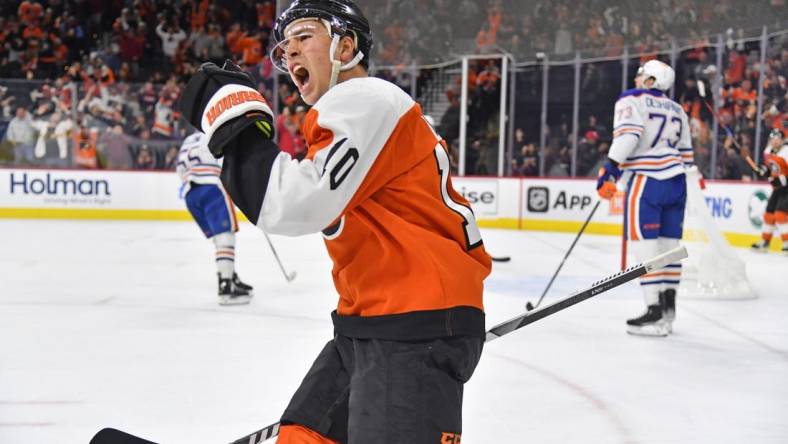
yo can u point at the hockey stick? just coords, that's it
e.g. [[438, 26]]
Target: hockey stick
[[108, 435], [115, 436], [529, 306], [288, 276], [596, 288], [501, 258]]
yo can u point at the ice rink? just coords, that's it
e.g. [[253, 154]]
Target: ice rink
[[117, 324]]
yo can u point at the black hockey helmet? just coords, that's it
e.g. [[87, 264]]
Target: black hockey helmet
[[342, 16]]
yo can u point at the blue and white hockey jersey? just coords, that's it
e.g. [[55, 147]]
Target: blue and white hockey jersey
[[651, 135], [196, 164]]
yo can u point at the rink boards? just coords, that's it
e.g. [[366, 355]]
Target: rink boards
[[542, 204]]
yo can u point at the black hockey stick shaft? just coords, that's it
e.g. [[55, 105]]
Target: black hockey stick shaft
[[571, 247], [115, 436], [112, 436], [596, 288], [288, 276]]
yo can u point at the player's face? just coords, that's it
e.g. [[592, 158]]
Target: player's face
[[640, 81], [305, 52]]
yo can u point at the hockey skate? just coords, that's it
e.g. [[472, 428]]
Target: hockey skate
[[667, 299], [762, 245], [651, 323], [242, 285], [230, 294]]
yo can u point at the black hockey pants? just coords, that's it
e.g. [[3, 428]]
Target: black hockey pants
[[362, 391]]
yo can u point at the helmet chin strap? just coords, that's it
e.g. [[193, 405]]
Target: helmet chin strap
[[336, 65]]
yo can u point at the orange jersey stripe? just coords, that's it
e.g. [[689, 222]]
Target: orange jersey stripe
[[633, 200], [660, 274]]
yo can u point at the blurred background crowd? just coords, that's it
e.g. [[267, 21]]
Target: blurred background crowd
[[96, 83]]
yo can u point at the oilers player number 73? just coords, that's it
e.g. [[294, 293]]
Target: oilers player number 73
[[650, 151]]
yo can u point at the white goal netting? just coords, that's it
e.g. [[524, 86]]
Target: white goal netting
[[713, 269]]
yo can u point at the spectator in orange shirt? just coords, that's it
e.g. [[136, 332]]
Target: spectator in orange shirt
[[252, 48], [737, 64], [233, 37], [744, 98], [33, 32], [265, 14], [85, 148], [29, 12], [199, 15]]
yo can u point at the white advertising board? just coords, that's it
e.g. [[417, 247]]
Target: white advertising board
[[91, 194], [521, 203]]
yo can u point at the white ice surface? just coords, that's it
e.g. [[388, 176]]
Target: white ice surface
[[116, 324]]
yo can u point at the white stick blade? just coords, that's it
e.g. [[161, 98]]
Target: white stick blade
[[666, 258]]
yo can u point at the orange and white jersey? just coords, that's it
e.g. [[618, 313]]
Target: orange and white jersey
[[651, 135], [777, 162], [376, 183], [195, 163]]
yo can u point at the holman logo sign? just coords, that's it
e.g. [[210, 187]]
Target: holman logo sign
[[48, 184]]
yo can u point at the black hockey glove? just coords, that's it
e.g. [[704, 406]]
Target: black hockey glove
[[779, 181], [222, 103]]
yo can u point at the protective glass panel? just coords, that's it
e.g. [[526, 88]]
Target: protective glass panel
[[526, 142], [697, 79], [600, 86], [558, 144], [437, 89], [484, 112]]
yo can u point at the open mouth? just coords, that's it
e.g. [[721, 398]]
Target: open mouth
[[301, 76]]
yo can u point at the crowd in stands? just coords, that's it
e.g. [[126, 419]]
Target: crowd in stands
[[96, 83], [429, 31], [734, 89]]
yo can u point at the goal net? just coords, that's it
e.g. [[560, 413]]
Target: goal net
[[713, 269]]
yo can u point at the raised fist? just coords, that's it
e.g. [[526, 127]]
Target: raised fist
[[222, 103]]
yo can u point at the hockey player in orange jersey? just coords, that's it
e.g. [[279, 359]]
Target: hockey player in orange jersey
[[775, 169], [408, 258]]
